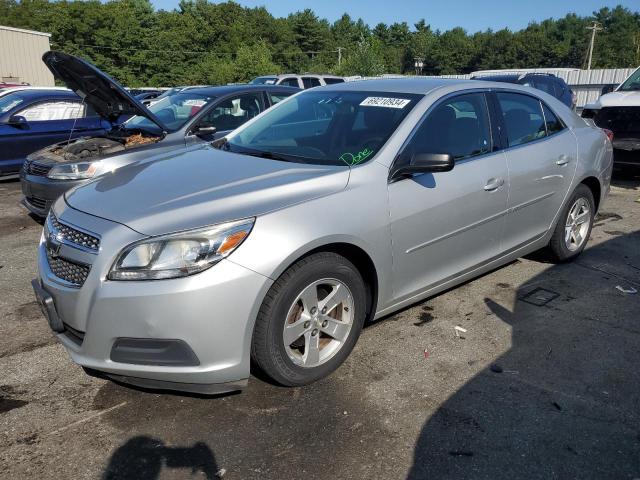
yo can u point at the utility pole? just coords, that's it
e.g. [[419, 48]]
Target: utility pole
[[339, 55], [596, 27]]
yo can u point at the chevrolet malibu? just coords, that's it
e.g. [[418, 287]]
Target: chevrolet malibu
[[339, 205]]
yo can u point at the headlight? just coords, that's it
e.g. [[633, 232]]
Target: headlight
[[75, 171], [179, 254]]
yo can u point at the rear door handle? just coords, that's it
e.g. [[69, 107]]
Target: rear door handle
[[494, 184], [562, 160]]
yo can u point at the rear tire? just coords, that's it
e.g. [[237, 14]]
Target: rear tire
[[574, 225], [302, 333]]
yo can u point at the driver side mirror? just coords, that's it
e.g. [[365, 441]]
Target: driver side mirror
[[425, 163], [18, 121], [204, 130]]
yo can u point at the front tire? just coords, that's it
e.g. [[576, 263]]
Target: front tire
[[574, 226], [310, 320]]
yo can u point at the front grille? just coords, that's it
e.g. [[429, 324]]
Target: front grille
[[39, 203], [67, 270], [38, 169], [620, 120], [71, 235]]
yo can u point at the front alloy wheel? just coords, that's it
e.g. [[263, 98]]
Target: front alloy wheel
[[310, 319], [318, 323]]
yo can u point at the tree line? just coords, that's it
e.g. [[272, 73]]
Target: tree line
[[216, 43]]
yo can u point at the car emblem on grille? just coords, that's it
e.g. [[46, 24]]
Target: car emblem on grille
[[53, 244]]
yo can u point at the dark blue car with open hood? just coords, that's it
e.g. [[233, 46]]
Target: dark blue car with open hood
[[33, 119]]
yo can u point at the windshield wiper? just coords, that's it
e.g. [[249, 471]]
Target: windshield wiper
[[269, 155]]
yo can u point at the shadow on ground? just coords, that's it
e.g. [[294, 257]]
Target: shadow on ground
[[563, 401], [144, 457]]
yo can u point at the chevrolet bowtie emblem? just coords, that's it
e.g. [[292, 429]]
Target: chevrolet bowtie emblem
[[53, 244]]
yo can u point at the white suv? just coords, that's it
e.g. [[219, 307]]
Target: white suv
[[307, 80]]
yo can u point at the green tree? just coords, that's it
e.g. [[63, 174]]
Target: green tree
[[366, 60]]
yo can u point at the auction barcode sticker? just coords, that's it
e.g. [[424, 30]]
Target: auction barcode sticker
[[384, 102]]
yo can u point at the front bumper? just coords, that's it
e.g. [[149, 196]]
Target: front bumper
[[41, 192], [212, 313]]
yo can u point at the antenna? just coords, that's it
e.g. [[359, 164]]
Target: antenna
[[596, 27]]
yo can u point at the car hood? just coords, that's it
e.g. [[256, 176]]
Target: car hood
[[108, 98], [617, 99], [199, 187]]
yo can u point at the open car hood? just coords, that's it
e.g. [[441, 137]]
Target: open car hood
[[108, 98]]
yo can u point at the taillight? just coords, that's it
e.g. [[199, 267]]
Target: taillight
[[608, 133]]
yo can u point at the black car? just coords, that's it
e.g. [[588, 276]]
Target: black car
[[184, 119], [547, 82]]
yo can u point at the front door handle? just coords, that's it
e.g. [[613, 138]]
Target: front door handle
[[494, 184], [562, 160]]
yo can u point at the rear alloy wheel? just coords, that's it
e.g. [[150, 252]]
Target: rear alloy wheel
[[574, 226], [310, 320]]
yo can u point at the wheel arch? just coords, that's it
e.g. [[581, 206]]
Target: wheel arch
[[353, 252], [596, 189]]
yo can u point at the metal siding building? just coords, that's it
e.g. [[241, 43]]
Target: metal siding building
[[21, 57]]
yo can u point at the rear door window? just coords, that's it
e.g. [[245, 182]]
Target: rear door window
[[459, 126], [333, 81], [310, 82], [544, 84], [290, 82], [523, 118]]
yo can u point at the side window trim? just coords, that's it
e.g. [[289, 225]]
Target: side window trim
[[484, 92]]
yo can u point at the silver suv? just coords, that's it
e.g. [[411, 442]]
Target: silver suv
[[338, 205], [308, 80]]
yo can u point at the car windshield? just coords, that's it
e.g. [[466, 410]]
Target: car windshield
[[10, 101], [324, 127], [631, 83], [264, 81], [173, 110]]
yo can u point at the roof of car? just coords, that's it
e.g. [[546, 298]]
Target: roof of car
[[44, 93], [400, 85], [229, 89], [510, 78]]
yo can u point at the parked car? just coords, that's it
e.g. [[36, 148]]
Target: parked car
[[308, 80], [186, 118], [34, 118], [619, 111], [8, 90], [547, 82], [340, 204]]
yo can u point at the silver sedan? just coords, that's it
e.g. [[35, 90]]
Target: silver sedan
[[340, 205]]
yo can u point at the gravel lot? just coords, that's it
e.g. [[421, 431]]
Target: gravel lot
[[545, 383]]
